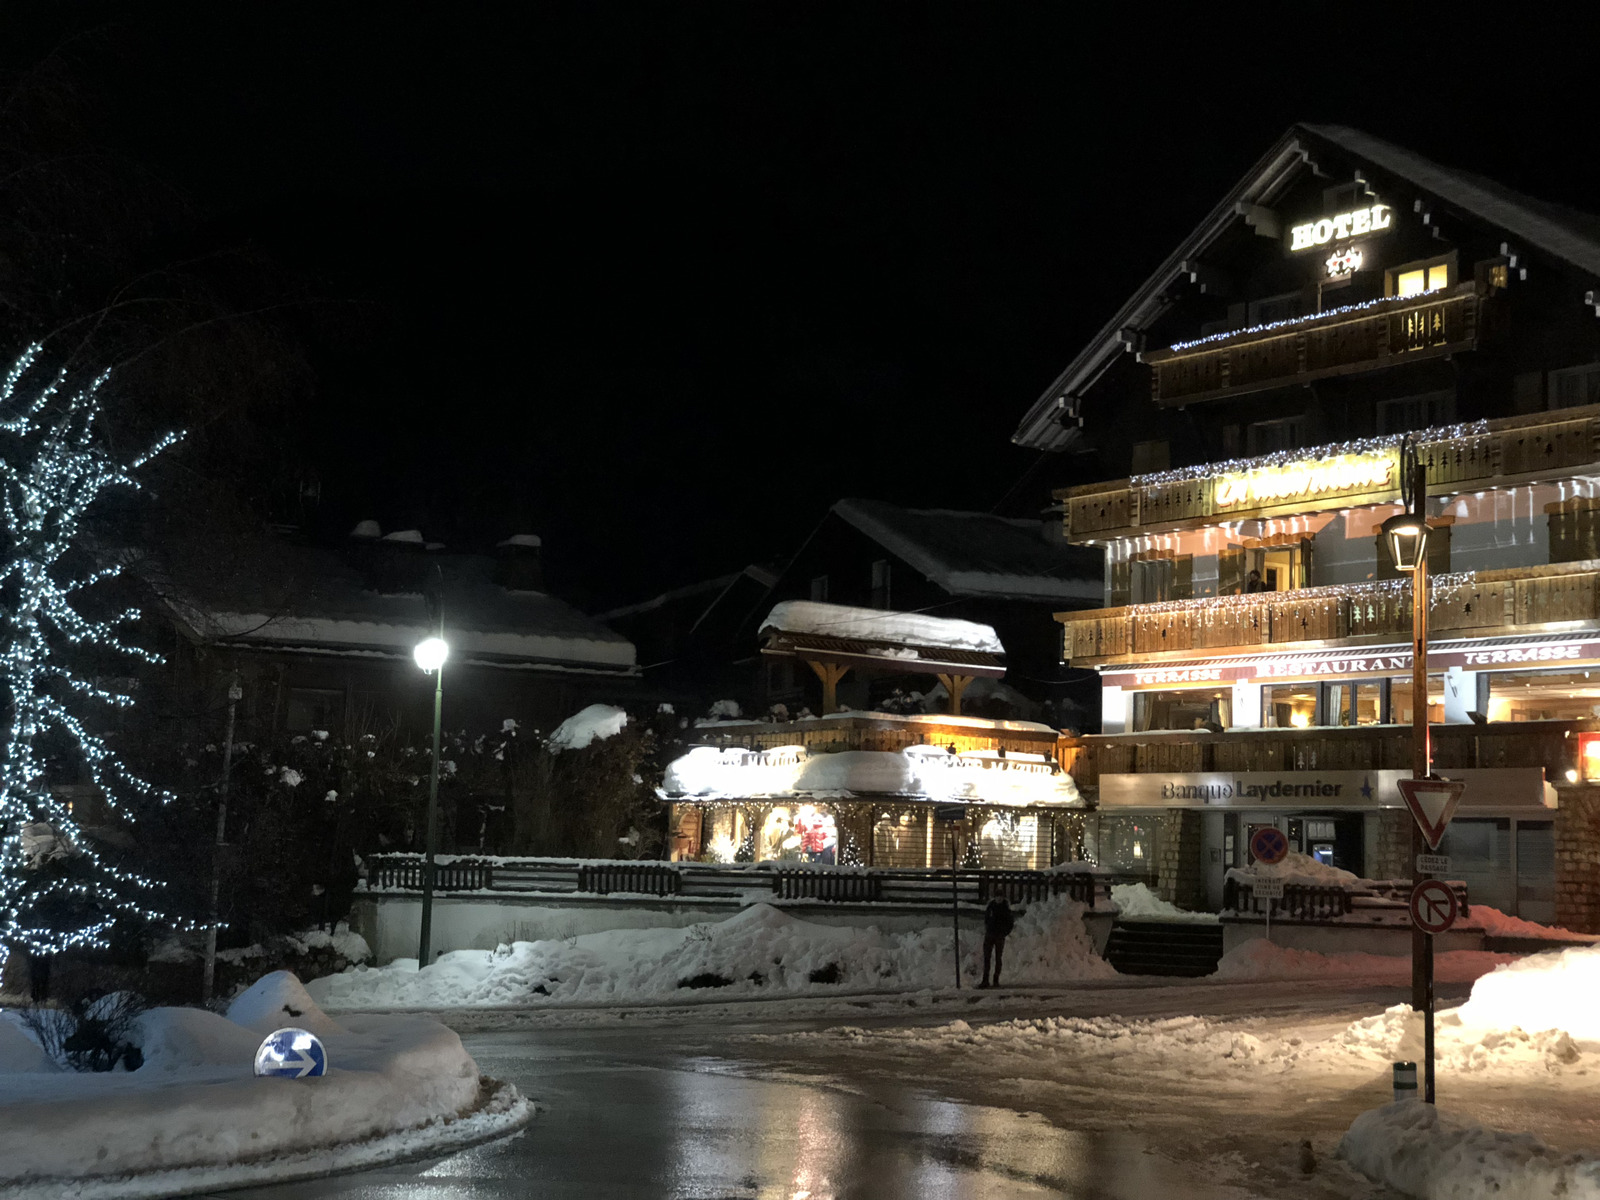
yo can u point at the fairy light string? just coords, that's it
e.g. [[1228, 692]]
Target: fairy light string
[[52, 470]]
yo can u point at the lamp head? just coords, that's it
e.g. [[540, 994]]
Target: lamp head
[[431, 653], [1406, 535]]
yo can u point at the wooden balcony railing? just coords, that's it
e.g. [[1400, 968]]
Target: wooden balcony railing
[[1317, 346], [1542, 445], [1458, 604]]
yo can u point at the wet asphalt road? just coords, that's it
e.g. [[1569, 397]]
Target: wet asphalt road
[[657, 1113]]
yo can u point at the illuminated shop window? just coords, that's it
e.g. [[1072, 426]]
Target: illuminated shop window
[[1355, 703], [1289, 705], [1400, 691], [1544, 695], [1193, 708]]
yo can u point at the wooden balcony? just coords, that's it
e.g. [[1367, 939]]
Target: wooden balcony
[[1511, 450], [1317, 346], [1552, 745], [1460, 605]]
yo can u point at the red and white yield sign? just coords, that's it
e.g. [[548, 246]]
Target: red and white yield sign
[[1432, 803], [1433, 906]]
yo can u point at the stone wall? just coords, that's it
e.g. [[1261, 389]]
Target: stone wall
[[1578, 858], [1391, 844], [1179, 875]]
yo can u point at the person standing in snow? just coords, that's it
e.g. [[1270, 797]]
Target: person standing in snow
[[997, 923]]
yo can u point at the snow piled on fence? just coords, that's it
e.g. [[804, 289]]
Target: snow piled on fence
[[194, 1115], [1415, 1149], [1136, 901], [762, 951], [593, 724]]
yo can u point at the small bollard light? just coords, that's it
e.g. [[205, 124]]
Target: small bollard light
[[1405, 1081]]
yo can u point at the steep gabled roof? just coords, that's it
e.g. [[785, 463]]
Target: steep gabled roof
[[1563, 233], [979, 554]]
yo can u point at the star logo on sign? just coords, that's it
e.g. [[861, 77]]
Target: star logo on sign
[[1366, 788]]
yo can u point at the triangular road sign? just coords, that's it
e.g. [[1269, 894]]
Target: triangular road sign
[[1432, 803]]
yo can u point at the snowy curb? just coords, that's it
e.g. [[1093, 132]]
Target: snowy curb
[[1411, 1147], [502, 1110]]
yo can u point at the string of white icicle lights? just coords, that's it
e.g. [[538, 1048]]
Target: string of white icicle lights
[[1307, 319], [52, 471]]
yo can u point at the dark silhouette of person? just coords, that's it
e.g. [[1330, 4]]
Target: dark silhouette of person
[[997, 923], [1254, 583]]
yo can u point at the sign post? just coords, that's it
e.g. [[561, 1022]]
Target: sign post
[[954, 812], [1269, 847]]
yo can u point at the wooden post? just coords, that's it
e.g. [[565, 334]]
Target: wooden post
[[830, 674], [955, 685]]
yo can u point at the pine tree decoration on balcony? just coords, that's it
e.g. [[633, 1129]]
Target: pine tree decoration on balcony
[[56, 890]]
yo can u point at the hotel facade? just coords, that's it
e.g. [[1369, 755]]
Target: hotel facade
[[1347, 303]]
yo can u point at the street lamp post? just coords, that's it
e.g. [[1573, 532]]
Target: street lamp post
[[1407, 537], [430, 655]]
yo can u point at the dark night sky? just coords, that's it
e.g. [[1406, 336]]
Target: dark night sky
[[661, 284]]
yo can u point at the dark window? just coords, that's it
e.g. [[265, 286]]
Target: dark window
[[880, 583], [1575, 386], [1286, 433], [1416, 412], [314, 708], [819, 588], [1277, 308]]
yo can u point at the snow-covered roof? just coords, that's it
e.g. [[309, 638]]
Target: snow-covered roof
[[310, 599], [917, 773], [880, 625], [980, 554], [1566, 234]]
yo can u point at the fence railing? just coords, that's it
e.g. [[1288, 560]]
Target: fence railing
[[1326, 902], [732, 881]]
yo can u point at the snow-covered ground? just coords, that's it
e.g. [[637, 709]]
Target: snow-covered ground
[[1261, 959], [194, 1116], [1136, 901], [758, 953]]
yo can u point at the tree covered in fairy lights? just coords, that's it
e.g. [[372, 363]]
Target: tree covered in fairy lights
[[56, 891]]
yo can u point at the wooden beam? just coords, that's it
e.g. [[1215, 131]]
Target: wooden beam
[[955, 685], [830, 674]]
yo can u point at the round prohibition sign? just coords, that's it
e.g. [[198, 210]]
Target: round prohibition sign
[[1433, 906], [1269, 845]]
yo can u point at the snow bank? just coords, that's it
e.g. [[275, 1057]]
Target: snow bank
[[877, 625], [592, 724], [1415, 1149], [760, 952], [1539, 992], [1261, 959], [1137, 901], [1299, 869], [1498, 924], [196, 1104]]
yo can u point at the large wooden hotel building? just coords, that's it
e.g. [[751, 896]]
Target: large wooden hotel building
[[1252, 400]]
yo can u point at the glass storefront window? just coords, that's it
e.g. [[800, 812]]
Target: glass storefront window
[[1195, 708], [1353, 703], [1289, 705], [1125, 844], [1544, 696], [1400, 700]]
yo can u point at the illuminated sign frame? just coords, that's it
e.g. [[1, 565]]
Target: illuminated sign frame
[[1373, 219], [1341, 475]]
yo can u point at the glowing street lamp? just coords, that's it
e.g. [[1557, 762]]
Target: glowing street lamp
[[430, 655], [1406, 534]]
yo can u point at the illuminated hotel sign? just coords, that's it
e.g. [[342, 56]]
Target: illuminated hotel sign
[[1344, 225], [1341, 475], [1342, 262]]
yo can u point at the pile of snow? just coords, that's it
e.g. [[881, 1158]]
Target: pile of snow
[[194, 1115], [592, 724], [877, 625], [1498, 924], [1413, 1148], [1539, 992], [760, 952], [1300, 869], [1136, 901]]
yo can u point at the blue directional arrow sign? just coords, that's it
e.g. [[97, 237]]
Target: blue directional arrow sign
[[291, 1054]]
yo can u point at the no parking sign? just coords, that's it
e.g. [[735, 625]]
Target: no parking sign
[[1268, 845]]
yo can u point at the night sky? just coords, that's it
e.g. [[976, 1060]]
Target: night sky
[[662, 283]]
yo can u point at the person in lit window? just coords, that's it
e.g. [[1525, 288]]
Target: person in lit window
[[1254, 583]]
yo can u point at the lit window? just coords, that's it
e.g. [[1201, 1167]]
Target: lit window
[[1422, 279]]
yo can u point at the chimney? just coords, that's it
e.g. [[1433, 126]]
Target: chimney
[[517, 565], [398, 562]]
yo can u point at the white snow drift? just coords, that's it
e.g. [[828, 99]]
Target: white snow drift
[[760, 952], [194, 1115]]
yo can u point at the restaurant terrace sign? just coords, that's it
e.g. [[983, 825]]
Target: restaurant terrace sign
[[1307, 479], [1374, 219]]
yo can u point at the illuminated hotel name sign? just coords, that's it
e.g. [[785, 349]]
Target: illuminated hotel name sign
[[1343, 474], [1344, 225]]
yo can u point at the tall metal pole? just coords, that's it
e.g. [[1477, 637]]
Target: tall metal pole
[[1421, 766], [433, 827], [209, 976], [955, 906]]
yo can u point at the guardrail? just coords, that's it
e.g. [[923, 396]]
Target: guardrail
[[1326, 902], [734, 881]]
